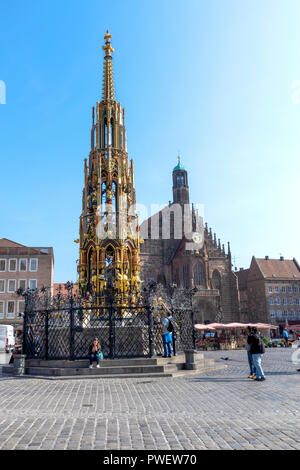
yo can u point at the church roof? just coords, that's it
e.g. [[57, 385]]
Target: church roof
[[179, 165]]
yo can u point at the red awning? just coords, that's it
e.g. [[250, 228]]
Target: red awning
[[293, 327]]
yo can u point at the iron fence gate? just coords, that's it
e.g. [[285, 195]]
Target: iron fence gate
[[123, 332]]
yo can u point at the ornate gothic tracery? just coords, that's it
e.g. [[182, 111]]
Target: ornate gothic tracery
[[109, 231]]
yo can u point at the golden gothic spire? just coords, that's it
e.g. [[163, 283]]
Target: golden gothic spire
[[108, 80], [109, 229]]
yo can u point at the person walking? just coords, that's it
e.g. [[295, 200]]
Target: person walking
[[252, 374], [167, 332], [257, 349], [95, 353]]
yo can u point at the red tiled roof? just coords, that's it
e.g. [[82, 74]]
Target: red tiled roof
[[5, 243], [279, 269], [63, 290]]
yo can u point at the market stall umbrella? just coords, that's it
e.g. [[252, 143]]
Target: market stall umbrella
[[265, 326], [217, 326], [237, 325], [200, 326]]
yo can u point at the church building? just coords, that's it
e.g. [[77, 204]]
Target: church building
[[190, 258]]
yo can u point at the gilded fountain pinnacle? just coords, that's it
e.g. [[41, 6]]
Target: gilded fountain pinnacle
[[109, 230]]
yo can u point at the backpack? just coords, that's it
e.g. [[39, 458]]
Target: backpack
[[261, 346], [170, 326]]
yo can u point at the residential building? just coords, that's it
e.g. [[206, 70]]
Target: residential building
[[273, 290], [21, 267]]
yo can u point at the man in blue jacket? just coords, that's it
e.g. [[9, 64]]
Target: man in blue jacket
[[167, 336], [285, 338]]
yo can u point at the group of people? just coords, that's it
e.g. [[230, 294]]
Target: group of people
[[255, 350], [95, 353]]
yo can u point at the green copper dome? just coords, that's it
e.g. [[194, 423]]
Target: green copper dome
[[179, 166]]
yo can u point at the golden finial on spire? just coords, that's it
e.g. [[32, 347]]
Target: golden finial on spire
[[108, 81], [108, 47]]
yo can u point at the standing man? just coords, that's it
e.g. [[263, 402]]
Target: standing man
[[167, 332], [285, 338], [257, 349], [252, 374]]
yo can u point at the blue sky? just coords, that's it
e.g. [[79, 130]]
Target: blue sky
[[212, 80]]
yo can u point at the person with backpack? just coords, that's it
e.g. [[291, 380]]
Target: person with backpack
[[167, 335], [252, 374], [285, 338], [257, 349]]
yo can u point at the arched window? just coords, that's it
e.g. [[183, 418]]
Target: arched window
[[216, 279], [180, 180], [176, 278], [199, 276], [103, 193], [109, 265], [105, 132], [114, 199], [112, 133], [186, 276], [90, 265], [129, 261]]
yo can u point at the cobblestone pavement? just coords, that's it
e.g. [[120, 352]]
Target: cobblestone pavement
[[219, 410]]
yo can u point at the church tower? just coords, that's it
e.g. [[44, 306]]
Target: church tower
[[109, 232], [180, 184]]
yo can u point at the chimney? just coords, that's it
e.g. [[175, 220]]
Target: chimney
[[266, 257], [241, 269], [281, 258]]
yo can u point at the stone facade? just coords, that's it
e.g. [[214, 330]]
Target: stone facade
[[168, 258], [21, 267], [242, 276]]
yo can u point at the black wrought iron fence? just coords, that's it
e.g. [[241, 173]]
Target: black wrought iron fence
[[63, 327]]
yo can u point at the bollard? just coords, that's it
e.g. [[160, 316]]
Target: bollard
[[19, 364], [190, 360]]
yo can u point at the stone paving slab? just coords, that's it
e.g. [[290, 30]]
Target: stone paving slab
[[216, 410]]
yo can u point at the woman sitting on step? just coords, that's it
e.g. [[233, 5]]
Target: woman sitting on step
[[95, 353]]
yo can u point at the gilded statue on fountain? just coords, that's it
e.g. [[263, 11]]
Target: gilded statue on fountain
[[109, 230]]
